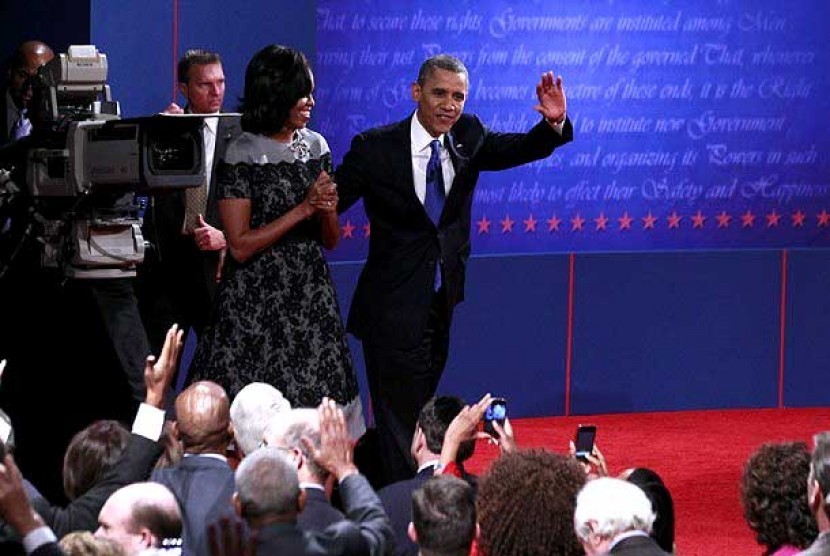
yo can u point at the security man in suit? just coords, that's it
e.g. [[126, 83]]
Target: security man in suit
[[179, 277]]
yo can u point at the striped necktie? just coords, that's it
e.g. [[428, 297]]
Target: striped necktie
[[22, 126]]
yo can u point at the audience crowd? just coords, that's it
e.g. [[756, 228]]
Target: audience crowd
[[254, 476]]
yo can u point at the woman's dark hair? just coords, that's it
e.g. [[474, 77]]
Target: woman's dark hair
[[526, 504], [276, 78], [90, 453], [774, 496], [661, 503]]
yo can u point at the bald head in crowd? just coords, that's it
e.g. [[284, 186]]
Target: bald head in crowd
[[203, 418], [140, 516], [25, 62]]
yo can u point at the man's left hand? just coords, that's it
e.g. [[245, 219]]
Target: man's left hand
[[207, 237], [552, 103]]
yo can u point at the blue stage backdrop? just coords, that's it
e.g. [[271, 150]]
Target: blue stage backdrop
[[698, 124]]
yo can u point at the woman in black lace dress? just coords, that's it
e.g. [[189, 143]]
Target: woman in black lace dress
[[277, 318]]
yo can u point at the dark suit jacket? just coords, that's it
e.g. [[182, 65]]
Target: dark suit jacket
[[203, 487], [638, 546], [81, 514], [165, 214], [397, 501], [366, 530], [394, 294], [318, 512], [48, 549]]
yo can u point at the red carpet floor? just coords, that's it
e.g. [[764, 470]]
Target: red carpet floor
[[699, 454]]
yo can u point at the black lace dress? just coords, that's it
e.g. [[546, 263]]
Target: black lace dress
[[277, 318]]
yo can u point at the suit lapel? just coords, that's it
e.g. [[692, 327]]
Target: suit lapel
[[402, 162], [460, 161], [458, 154]]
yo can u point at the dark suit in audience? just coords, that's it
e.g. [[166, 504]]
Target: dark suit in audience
[[318, 513], [202, 482], [397, 501], [637, 546], [425, 448], [48, 549], [364, 532], [135, 465], [269, 498], [203, 487], [288, 433]]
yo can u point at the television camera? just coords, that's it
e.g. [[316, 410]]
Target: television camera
[[84, 166]]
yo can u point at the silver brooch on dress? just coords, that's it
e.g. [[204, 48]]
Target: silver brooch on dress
[[301, 149]]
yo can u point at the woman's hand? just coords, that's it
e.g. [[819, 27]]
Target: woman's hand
[[322, 195]]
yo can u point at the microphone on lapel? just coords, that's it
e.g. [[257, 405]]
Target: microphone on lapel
[[456, 149]]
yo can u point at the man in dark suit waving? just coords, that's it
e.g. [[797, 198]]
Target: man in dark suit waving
[[417, 179]]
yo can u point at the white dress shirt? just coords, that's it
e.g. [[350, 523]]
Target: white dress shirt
[[209, 139], [421, 152]]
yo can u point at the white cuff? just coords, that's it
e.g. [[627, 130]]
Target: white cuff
[[37, 538], [149, 421], [557, 127]]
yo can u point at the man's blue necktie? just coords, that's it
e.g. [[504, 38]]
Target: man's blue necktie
[[435, 195]]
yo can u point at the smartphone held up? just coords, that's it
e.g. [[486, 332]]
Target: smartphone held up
[[497, 411], [584, 441]]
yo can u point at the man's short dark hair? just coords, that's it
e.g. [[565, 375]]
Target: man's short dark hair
[[276, 78], [195, 57], [820, 462], [161, 521], [441, 61], [444, 516], [435, 417]]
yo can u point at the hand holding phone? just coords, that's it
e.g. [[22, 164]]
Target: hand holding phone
[[496, 411], [584, 441]]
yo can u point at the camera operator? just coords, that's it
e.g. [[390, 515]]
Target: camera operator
[[23, 65], [94, 321]]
